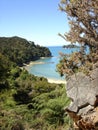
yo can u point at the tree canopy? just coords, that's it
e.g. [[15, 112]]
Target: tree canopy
[[83, 21], [21, 51]]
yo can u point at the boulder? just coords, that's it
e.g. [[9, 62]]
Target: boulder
[[83, 91]]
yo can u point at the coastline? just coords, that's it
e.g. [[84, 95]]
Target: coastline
[[50, 80], [56, 81], [35, 62], [27, 65]]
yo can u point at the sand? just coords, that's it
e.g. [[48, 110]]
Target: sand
[[56, 81], [26, 66]]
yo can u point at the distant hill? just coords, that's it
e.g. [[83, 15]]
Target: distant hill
[[21, 51], [71, 46]]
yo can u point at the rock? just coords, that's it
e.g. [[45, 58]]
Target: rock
[[85, 110], [89, 121], [83, 91]]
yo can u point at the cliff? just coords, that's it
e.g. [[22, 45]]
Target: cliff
[[83, 91]]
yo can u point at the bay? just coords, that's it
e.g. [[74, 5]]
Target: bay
[[46, 67]]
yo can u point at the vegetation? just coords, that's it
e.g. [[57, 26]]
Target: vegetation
[[26, 101], [70, 46], [22, 51], [83, 20]]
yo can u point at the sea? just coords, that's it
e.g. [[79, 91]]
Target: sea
[[46, 67]]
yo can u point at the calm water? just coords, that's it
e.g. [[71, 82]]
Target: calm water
[[48, 67]]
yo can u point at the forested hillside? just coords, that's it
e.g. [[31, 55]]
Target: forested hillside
[[21, 51], [28, 102]]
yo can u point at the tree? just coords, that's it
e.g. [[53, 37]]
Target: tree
[[20, 51], [83, 20]]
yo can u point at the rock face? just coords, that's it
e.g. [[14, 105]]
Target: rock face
[[83, 91]]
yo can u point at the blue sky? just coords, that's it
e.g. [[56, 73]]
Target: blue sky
[[35, 20]]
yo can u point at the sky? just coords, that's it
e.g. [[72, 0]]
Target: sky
[[35, 20]]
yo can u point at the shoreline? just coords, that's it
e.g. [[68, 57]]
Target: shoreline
[[27, 65], [50, 80], [36, 62], [56, 81]]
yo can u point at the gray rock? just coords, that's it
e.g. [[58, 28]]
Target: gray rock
[[85, 110], [82, 90]]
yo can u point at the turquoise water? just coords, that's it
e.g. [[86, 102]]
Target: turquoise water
[[47, 66]]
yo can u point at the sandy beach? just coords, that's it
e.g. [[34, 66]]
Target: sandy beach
[[36, 62], [26, 66], [33, 63], [56, 81], [50, 80]]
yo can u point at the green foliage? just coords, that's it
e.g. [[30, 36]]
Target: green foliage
[[22, 97], [17, 126], [15, 72], [3, 68], [22, 51], [54, 112], [27, 101], [33, 102]]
